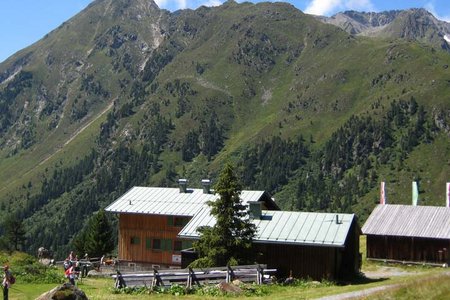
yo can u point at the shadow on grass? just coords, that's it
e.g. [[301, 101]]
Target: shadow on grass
[[361, 279]]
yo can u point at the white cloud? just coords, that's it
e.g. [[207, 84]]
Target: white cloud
[[359, 5], [212, 3], [328, 7], [430, 7], [322, 7], [161, 3], [181, 4]]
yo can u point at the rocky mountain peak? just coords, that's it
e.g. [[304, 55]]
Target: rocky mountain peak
[[412, 24], [132, 9]]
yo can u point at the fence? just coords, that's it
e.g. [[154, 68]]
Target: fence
[[190, 277]]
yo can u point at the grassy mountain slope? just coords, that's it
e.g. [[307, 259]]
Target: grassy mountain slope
[[126, 94]]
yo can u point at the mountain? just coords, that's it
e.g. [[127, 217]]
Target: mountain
[[127, 94], [412, 24]]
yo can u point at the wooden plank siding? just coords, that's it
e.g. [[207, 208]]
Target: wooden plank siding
[[316, 262], [351, 257], [137, 235], [408, 248], [303, 261]]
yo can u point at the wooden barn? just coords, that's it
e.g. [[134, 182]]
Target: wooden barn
[[407, 233], [304, 244], [150, 219]]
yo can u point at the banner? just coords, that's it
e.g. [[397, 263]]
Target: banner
[[447, 195], [415, 193]]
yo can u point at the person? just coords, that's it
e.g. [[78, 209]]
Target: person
[[67, 264], [6, 284], [71, 256], [70, 274]]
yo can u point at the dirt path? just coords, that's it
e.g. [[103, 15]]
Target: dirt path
[[76, 133], [360, 294], [384, 272]]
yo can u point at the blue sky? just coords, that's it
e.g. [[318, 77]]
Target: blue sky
[[23, 22]]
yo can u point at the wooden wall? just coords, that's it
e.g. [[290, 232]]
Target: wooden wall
[[137, 235], [351, 257], [304, 261], [316, 262], [408, 249]]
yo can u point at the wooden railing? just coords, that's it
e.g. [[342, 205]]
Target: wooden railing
[[189, 277]]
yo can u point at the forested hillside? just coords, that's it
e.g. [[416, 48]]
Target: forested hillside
[[127, 94]]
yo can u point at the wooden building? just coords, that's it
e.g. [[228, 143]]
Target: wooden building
[[408, 233], [304, 244], [150, 219]]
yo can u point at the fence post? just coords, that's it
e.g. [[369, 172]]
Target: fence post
[[155, 281], [259, 275], [228, 277], [189, 279]]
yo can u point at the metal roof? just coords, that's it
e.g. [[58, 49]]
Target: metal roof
[[168, 201], [410, 221], [287, 227]]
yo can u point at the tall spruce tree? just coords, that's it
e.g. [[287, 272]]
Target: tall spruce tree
[[229, 241], [14, 233], [98, 237]]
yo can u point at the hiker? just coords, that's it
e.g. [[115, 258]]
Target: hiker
[[70, 274], [67, 263], [6, 284], [71, 256]]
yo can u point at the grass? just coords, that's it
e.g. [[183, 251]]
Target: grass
[[430, 284], [420, 282], [424, 288], [417, 282], [28, 291]]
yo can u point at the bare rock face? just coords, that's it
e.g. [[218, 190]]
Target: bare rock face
[[64, 292], [411, 24]]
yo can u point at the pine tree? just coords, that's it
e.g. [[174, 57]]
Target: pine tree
[[14, 233], [99, 237], [229, 241]]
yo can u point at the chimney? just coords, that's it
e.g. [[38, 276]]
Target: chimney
[[206, 183], [183, 185], [383, 197], [255, 209], [337, 219], [415, 193]]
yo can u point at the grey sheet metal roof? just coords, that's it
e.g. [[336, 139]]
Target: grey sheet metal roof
[[287, 227], [168, 201], [410, 221]]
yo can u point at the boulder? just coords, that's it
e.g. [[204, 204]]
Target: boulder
[[229, 288], [64, 292]]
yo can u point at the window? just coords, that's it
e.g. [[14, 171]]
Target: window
[[186, 244], [148, 243], [135, 240], [156, 244], [177, 221], [180, 221], [167, 244], [159, 244]]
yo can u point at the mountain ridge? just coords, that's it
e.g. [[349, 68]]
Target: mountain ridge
[[412, 24], [306, 111]]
